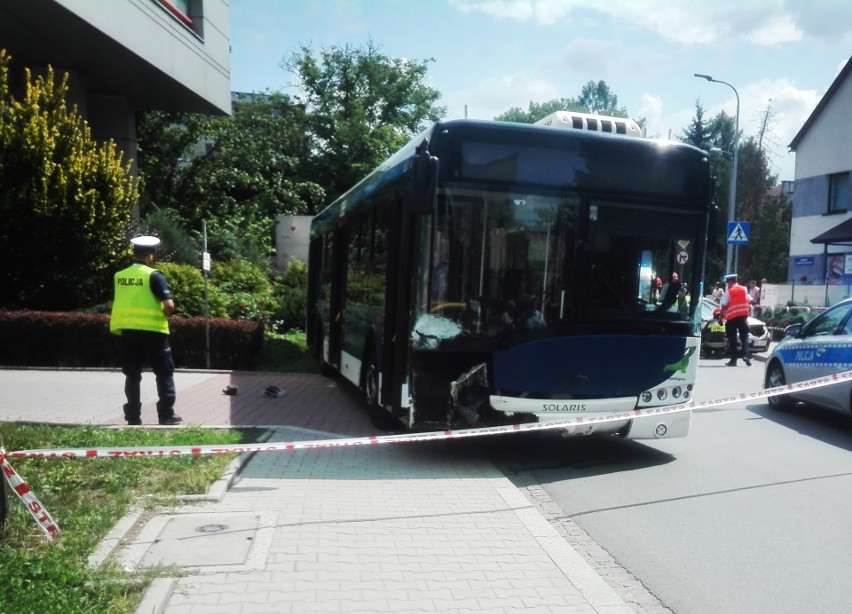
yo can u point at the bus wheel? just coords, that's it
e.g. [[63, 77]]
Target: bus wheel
[[371, 383], [381, 419], [775, 377]]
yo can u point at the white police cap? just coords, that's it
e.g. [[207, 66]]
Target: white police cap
[[145, 243], [730, 276]]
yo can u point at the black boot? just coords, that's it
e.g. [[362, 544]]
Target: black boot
[[133, 413]]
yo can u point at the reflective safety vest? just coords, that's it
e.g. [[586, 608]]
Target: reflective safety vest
[[738, 303], [135, 307]]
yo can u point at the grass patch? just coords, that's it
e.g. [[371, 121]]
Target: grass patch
[[86, 497], [286, 353]]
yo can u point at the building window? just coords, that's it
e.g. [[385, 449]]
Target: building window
[[838, 192], [188, 12]]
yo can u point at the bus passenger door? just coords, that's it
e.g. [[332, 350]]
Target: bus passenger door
[[336, 303]]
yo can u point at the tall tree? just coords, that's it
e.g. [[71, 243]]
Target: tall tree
[[754, 183], [537, 111], [769, 244], [65, 200], [236, 173], [766, 139], [599, 99], [698, 132], [361, 106], [716, 136], [596, 98]]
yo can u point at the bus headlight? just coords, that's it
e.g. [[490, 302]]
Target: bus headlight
[[646, 397], [662, 394]]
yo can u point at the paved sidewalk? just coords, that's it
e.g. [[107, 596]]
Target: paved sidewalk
[[431, 527]]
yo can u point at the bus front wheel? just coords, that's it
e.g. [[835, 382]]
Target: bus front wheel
[[380, 418]]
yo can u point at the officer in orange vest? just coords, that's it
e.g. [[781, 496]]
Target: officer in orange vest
[[735, 309], [141, 307]]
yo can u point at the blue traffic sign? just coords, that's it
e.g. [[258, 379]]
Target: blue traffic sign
[[738, 233]]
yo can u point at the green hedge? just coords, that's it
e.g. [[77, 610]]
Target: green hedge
[[59, 339]]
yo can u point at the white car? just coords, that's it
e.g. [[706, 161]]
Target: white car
[[714, 341], [818, 348]]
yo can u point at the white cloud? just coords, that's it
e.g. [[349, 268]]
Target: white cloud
[[588, 56], [491, 97], [777, 30], [519, 10], [761, 22], [651, 108]]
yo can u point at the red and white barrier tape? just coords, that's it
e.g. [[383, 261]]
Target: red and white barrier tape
[[25, 493], [51, 530]]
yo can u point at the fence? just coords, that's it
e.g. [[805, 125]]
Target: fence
[[780, 295]]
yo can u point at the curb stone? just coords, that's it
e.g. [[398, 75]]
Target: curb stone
[[157, 596], [629, 588]]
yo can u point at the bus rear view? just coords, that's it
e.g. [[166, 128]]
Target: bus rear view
[[517, 273]]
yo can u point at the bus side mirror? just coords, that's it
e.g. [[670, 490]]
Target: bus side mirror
[[424, 182]]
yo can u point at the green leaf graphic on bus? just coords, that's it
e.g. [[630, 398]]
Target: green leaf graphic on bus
[[682, 364]]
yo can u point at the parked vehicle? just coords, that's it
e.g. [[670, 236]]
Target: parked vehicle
[[818, 348], [713, 338]]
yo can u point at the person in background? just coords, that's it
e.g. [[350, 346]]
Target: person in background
[[735, 309], [718, 292], [682, 302], [141, 306], [761, 308], [668, 293], [753, 296]]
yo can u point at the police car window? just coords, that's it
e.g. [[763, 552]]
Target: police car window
[[829, 322]]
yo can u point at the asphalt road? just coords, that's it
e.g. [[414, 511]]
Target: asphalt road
[[749, 513]]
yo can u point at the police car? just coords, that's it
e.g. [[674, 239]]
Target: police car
[[818, 348]]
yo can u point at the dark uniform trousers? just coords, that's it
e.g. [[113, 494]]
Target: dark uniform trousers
[[732, 328], [139, 347]]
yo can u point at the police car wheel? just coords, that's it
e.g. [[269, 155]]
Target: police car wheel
[[775, 377]]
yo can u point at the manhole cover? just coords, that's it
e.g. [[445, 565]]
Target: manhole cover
[[207, 542], [211, 528]]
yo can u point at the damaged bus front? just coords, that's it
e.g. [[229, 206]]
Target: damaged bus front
[[541, 274]]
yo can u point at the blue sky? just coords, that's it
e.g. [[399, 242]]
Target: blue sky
[[491, 55]]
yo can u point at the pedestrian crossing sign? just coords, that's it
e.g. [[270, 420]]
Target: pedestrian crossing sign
[[738, 233]]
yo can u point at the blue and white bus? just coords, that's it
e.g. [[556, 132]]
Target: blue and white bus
[[494, 272]]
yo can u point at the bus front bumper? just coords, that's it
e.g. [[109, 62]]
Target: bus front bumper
[[591, 416]]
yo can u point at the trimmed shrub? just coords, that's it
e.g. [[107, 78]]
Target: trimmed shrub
[[56, 339], [245, 288], [187, 285], [59, 339], [291, 293]]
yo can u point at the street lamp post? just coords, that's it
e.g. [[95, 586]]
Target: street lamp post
[[732, 194]]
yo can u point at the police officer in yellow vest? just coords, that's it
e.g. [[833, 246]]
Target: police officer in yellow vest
[[141, 307]]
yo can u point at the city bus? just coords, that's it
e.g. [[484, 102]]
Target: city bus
[[500, 273]]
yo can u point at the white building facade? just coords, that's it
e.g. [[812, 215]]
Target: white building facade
[[125, 56], [821, 231]]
